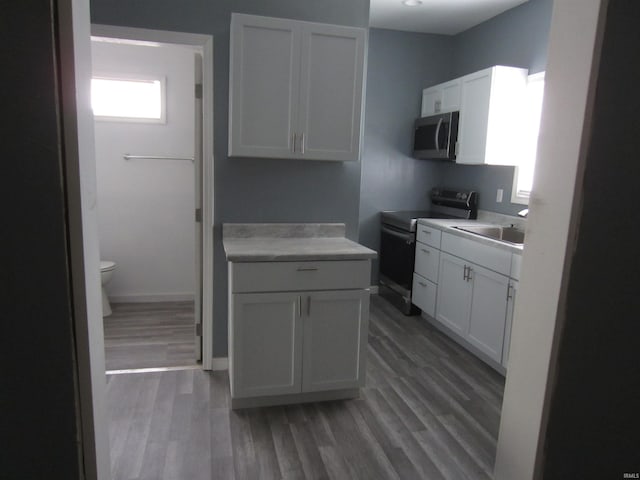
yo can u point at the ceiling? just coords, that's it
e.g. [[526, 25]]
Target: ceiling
[[447, 17]]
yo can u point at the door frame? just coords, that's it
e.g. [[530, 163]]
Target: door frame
[[203, 44]]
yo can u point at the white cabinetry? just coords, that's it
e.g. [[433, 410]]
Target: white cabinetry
[[441, 98], [298, 341], [472, 298], [427, 263], [269, 327], [488, 310], [491, 107], [454, 294], [335, 339], [295, 89]]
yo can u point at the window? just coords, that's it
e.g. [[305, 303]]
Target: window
[[523, 176], [129, 100]]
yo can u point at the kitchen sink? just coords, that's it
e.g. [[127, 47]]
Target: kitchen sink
[[503, 234]]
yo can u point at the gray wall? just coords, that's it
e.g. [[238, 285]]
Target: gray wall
[[400, 65], [253, 190], [518, 38], [38, 396], [593, 416]]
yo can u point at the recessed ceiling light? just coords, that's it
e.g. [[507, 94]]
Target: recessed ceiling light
[[412, 3]]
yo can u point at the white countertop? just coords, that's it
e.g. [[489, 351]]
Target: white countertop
[[447, 225], [290, 242]]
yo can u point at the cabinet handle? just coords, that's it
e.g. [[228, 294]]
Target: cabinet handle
[[307, 269], [425, 251], [293, 141], [426, 232], [509, 296], [469, 272], [422, 284], [302, 143], [309, 306], [464, 273], [299, 306]]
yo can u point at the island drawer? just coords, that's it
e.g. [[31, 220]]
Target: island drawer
[[248, 277]]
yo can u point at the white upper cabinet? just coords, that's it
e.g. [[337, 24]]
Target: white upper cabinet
[[264, 86], [491, 109], [441, 98], [295, 89]]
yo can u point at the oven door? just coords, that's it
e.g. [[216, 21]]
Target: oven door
[[397, 256]]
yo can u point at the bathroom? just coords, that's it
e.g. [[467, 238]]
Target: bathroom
[[145, 127]]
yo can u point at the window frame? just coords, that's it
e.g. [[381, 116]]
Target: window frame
[[131, 77], [516, 196]]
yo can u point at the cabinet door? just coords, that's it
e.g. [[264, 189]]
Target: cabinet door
[[335, 339], [488, 311], [264, 86], [331, 92], [265, 344], [511, 300], [454, 294], [474, 117], [451, 92], [431, 101]]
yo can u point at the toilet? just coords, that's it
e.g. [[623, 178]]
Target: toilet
[[106, 270]]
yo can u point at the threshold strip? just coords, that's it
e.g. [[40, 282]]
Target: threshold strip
[[154, 369]]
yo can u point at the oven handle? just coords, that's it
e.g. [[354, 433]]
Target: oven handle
[[407, 237]]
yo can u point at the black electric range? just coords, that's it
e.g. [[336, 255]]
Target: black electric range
[[398, 238]]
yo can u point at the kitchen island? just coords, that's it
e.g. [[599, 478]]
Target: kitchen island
[[298, 313]]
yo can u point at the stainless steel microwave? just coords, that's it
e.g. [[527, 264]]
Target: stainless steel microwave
[[435, 137]]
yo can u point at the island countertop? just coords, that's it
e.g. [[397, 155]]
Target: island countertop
[[266, 242]]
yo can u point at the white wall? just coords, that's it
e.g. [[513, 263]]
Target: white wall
[[146, 207]]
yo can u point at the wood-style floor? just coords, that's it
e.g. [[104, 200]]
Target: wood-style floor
[[430, 411], [147, 335]]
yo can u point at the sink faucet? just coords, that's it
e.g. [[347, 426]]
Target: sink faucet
[[523, 213]]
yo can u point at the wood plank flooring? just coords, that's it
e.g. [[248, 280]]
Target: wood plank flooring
[[146, 335], [430, 411]]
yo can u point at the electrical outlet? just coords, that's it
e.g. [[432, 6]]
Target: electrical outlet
[[499, 196]]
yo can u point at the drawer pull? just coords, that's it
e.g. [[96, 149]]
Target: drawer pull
[[307, 269], [426, 232], [425, 250], [422, 284]]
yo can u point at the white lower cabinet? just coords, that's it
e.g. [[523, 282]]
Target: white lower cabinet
[[297, 342], [454, 294], [335, 327], [472, 302], [488, 311], [266, 352]]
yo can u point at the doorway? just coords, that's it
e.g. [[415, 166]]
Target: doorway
[[154, 172]]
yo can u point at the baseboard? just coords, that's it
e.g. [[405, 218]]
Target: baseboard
[[465, 344], [219, 363], [294, 398], [373, 289], [163, 297]]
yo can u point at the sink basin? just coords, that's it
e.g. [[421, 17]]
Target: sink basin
[[504, 234]]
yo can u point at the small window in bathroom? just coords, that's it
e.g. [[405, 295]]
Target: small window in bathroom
[[128, 100]]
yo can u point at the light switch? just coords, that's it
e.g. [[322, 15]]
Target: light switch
[[499, 196]]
